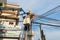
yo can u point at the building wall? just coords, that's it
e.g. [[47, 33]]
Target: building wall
[[5, 1], [8, 39], [12, 30], [12, 5]]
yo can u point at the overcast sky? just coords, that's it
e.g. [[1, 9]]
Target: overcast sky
[[39, 7]]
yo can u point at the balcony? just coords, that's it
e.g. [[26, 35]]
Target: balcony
[[12, 5], [9, 12]]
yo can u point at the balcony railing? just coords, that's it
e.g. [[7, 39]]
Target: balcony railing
[[4, 25]]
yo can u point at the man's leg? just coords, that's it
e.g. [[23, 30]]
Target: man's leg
[[28, 27], [25, 32], [25, 28]]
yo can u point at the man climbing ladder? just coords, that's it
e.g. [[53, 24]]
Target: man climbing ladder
[[27, 21]]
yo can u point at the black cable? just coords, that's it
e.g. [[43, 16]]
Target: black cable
[[51, 11], [38, 17], [45, 21], [23, 11], [49, 21], [52, 28], [46, 24]]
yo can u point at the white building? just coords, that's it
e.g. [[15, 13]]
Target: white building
[[9, 25]]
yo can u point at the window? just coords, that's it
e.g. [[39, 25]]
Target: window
[[11, 23], [1, 4], [3, 30]]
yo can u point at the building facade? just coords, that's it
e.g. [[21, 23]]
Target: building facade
[[9, 21]]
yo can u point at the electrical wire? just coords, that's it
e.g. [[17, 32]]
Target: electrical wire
[[46, 24], [51, 11], [48, 18], [44, 17], [38, 17], [49, 21]]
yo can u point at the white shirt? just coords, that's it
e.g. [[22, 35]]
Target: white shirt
[[27, 20]]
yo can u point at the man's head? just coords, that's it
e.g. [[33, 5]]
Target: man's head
[[33, 15], [28, 13]]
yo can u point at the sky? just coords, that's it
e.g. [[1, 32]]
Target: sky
[[39, 7]]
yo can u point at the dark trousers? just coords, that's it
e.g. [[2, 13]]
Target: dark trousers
[[26, 27]]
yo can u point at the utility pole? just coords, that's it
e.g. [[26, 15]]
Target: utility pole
[[29, 35], [42, 33], [25, 35]]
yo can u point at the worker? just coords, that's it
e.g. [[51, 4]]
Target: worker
[[27, 21], [32, 17]]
